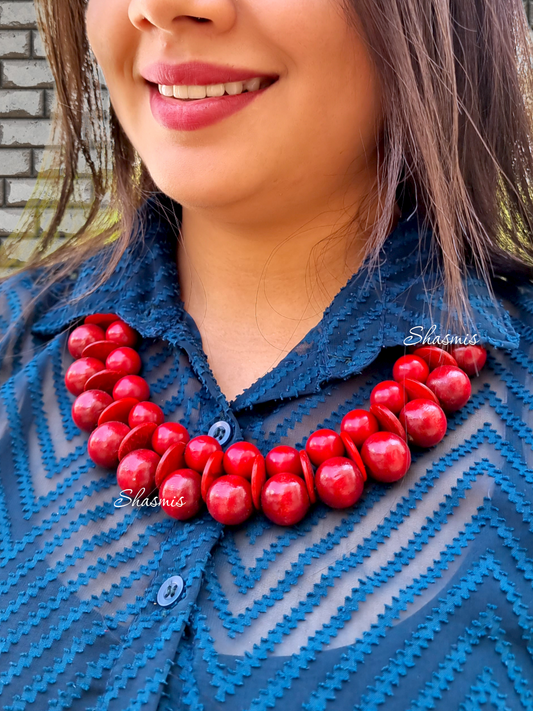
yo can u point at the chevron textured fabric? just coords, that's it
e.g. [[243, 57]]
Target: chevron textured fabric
[[418, 597]]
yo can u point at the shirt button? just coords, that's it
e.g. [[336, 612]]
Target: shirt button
[[221, 431], [170, 591]]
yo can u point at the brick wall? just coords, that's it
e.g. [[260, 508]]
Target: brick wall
[[25, 101]]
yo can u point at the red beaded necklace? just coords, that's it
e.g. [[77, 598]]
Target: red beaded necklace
[[129, 432]]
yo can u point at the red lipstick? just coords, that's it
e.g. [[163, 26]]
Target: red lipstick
[[190, 115]]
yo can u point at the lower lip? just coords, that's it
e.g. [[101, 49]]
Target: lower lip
[[181, 115]]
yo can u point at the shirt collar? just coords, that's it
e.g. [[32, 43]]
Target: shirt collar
[[377, 308]]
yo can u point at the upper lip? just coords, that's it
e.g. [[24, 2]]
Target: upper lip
[[197, 73]]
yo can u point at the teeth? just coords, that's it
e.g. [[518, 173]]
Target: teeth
[[232, 88]]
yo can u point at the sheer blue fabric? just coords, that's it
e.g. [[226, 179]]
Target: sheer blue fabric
[[418, 597]]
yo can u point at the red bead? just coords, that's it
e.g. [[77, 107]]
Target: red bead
[[424, 422], [239, 459], [471, 359], [88, 407], [390, 394], [284, 499], [118, 411], [386, 456], [124, 360], [339, 483], [102, 320], [171, 461], [136, 472], [283, 459], [103, 380], [451, 385], [410, 366], [79, 373], [353, 453], [82, 336], [121, 334], [198, 450], [322, 445], [258, 480], [99, 349], [145, 412], [138, 438], [212, 471], [179, 496], [229, 500], [435, 356], [132, 386], [309, 475], [415, 390], [168, 434], [359, 425], [388, 420], [104, 443]]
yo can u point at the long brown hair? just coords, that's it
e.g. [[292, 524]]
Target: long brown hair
[[457, 84]]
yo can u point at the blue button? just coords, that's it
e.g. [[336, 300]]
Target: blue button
[[221, 431], [170, 591]]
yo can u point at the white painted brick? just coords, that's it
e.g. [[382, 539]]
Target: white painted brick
[[38, 48], [21, 104], [24, 132], [17, 14], [19, 191], [15, 162], [9, 220], [14, 44], [26, 74]]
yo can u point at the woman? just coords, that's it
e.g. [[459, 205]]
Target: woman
[[298, 192]]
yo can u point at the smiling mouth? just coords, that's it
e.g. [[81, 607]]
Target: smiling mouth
[[198, 92]]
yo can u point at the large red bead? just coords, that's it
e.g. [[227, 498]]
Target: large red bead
[[82, 336], [435, 356], [79, 373], [132, 386], [390, 394], [199, 449], [424, 422], [169, 434], [212, 471], [239, 459], [88, 407], [104, 443], [121, 334], [136, 472], [283, 459], [451, 385], [171, 461], [179, 495], [145, 412], [229, 500], [284, 499], [322, 445], [359, 425], [471, 359], [410, 366], [339, 483], [124, 360], [386, 456]]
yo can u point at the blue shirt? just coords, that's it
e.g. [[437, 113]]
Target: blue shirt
[[418, 597]]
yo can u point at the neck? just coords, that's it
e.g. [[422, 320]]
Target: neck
[[254, 291]]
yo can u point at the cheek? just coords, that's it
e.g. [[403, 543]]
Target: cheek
[[112, 37]]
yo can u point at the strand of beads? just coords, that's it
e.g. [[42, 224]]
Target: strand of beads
[[129, 432]]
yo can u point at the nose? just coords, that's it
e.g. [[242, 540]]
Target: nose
[[168, 15]]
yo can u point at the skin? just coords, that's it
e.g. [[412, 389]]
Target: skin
[[278, 199]]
